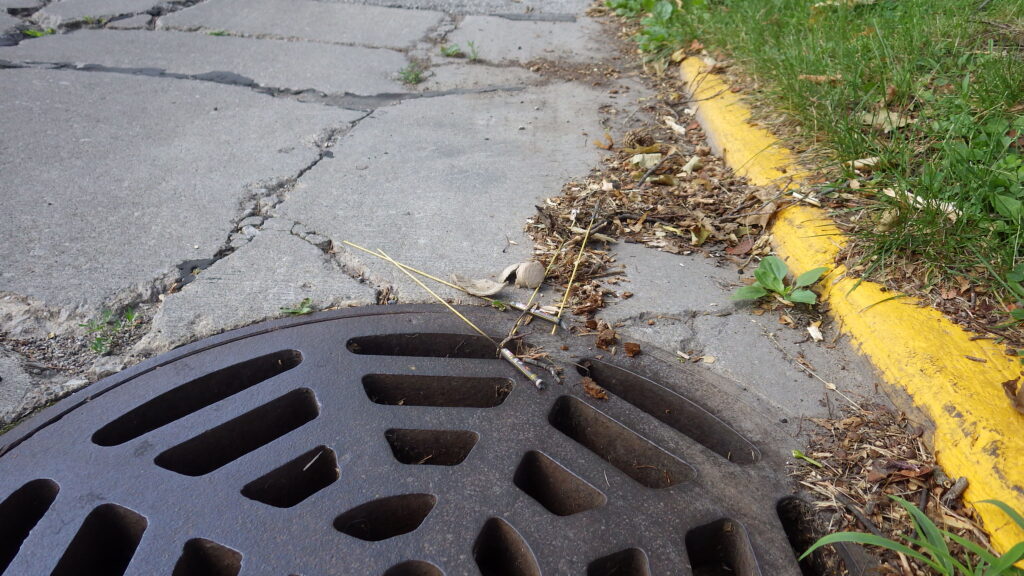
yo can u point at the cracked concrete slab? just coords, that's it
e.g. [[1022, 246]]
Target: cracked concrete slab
[[139, 22], [63, 11], [536, 9], [442, 183], [682, 303], [228, 295], [270, 63], [151, 173], [501, 40], [371, 26]]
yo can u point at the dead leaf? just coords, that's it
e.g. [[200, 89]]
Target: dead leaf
[[821, 79], [742, 248], [626, 295], [632, 349], [815, 332], [696, 45], [864, 164], [671, 123], [1015, 395], [530, 274], [646, 161], [885, 120], [482, 287], [593, 390], [606, 144], [606, 339]]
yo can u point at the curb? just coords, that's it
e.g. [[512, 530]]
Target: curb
[[978, 434]]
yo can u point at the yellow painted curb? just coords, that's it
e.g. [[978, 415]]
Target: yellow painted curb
[[978, 434]]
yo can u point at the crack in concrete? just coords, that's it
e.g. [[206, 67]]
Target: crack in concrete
[[346, 101]]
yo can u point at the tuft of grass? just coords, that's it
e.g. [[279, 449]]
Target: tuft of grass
[[413, 74], [218, 33], [929, 545], [473, 55], [303, 308], [931, 88], [452, 51]]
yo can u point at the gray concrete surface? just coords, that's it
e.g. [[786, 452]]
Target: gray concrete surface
[[309, 20], [269, 63], [503, 40], [207, 181]]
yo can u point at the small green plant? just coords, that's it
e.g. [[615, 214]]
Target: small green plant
[[770, 279], [218, 33], [452, 51], [31, 33], [473, 54], [412, 74], [104, 329], [928, 545], [1015, 281], [304, 307]]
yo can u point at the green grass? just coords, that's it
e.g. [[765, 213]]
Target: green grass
[[452, 51], [413, 74], [955, 72], [33, 33]]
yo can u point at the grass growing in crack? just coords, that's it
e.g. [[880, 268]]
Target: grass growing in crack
[[32, 33], [413, 74], [217, 33], [452, 51], [931, 88], [929, 545], [303, 308], [104, 330], [473, 55], [770, 279]]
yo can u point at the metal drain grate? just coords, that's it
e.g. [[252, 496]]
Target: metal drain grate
[[388, 441]]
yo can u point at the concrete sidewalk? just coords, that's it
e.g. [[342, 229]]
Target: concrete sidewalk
[[202, 163]]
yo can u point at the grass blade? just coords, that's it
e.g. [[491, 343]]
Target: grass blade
[[872, 540], [1009, 511]]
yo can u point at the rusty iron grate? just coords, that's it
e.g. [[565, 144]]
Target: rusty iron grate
[[388, 441]]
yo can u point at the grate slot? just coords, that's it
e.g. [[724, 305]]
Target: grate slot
[[231, 440], [432, 447], [797, 517], [424, 345], [438, 391], [672, 409], [386, 517], [499, 550], [414, 568], [193, 396], [105, 543], [556, 488], [628, 562], [202, 557], [721, 548], [19, 514], [297, 480], [635, 456]]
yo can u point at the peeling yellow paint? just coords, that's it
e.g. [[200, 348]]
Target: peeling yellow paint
[[978, 434]]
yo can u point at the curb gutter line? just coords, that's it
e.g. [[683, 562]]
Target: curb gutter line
[[978, 434]]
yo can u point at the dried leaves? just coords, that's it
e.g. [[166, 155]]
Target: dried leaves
[[593, 390], [1015, 394]]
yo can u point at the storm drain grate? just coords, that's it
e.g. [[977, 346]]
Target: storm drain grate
[[388, 441]]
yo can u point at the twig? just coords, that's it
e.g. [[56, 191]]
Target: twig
[[576, 266], [410, 269], [438, 298], [868, 524]]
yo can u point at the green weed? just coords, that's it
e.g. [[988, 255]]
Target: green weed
[[931, 88], [303, 308], [929, 546], [413, 74], [452, 51], [32, 33], [473, 54], [104, 330], [217, 33], [770, 279]]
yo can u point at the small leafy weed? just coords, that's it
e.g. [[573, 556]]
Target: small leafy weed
[[452, 51], [412, 74], [38, 33], [473, 54], [104, 329], [303, 308], [770, 279]]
